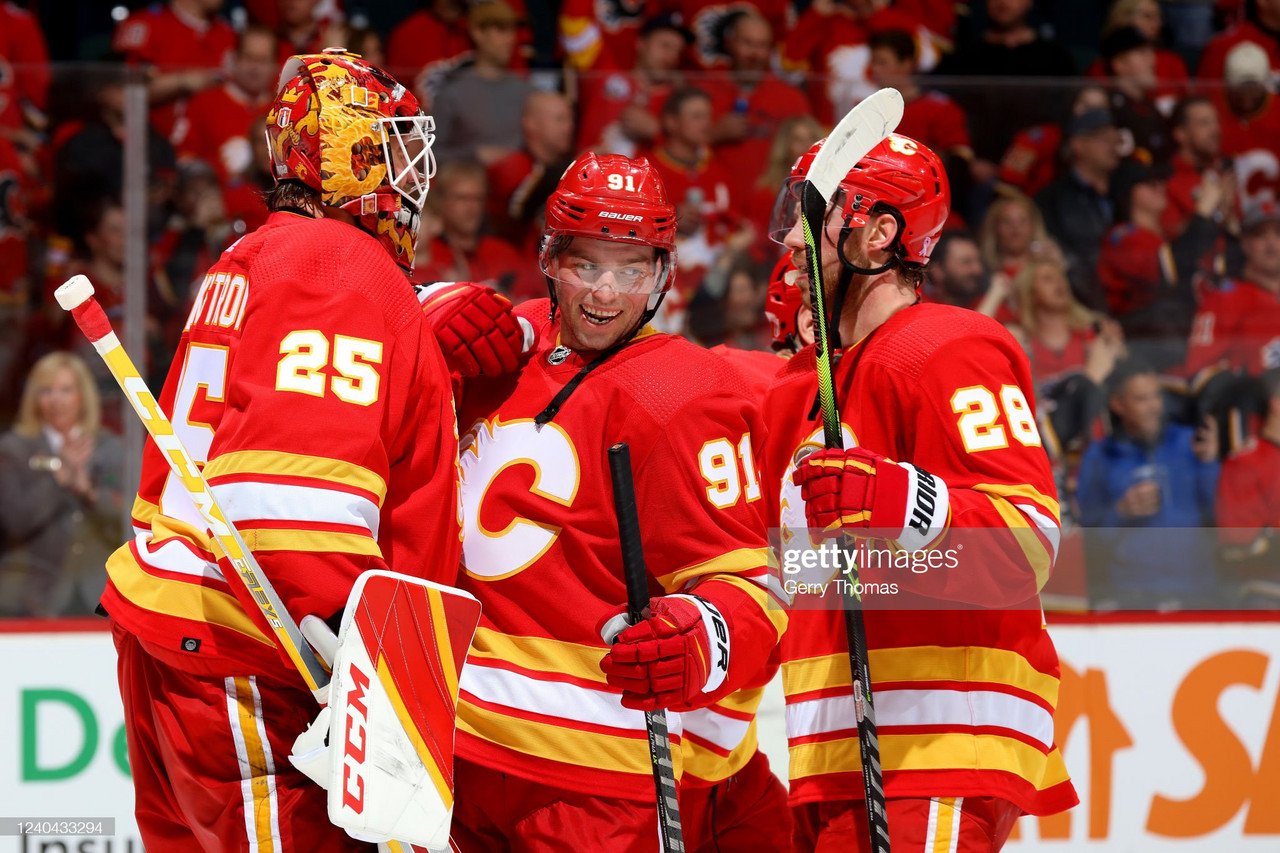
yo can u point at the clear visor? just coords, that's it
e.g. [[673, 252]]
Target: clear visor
[[637, 276], [786, 209], [406, 144]]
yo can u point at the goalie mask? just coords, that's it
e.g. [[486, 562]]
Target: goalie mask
[[612, 197], [348, 130], [899, 176]]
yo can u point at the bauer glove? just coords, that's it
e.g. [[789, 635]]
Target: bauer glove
[[670, 658], [475, 328], [858, 489]]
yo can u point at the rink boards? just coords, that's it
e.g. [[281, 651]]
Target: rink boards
[[1171, 730]]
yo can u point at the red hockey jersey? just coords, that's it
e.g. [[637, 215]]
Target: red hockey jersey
[[315, 396], [1238, 323], [964, 696], [541, 548]]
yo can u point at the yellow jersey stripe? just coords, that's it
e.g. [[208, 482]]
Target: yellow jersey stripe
[[734, 561], [1032, 494], [1038, 556], [281, 464], [540, 654], [311, 541]]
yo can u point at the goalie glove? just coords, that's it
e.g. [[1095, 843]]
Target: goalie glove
[[476, 330], [672, 658], [858, 489]]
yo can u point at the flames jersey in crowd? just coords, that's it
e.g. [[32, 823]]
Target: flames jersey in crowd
[[964, 696], [1239, 323], [311, 390], [541, 548]]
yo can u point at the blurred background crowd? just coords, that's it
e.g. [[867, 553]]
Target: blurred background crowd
[[1114, 170]]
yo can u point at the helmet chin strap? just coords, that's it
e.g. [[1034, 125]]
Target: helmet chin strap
[[848, 268]]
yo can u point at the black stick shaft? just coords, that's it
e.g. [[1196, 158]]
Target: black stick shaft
[[637, 579], [813, 211]]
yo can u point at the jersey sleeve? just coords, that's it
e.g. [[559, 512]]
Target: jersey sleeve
[[975, 429], [702, 522], [1211, 334], [301, 459]]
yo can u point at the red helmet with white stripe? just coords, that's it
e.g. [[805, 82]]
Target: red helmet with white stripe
[[899, 176]]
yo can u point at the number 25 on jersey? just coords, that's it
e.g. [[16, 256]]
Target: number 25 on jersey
[[306, 353]]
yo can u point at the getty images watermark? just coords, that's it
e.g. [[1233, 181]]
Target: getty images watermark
[[816, 570]]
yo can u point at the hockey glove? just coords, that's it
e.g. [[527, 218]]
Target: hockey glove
[[857, 489], [672, 657], [475, 328]]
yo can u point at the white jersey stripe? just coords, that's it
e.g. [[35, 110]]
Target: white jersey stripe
[[255, 501]]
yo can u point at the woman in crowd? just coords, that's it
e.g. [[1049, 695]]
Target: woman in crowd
[[1012, 235], [60, 493]]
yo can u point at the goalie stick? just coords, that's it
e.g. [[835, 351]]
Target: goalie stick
[[76, 297], [637, 578], [862, 128]]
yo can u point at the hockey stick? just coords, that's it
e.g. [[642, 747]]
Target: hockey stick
[[862, 128], [76, 297], [633, 569]]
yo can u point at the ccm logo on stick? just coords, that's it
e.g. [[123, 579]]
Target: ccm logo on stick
[[353, 747]]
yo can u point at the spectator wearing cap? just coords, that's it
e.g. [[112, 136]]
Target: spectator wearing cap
[[546, 124], [930, 116], [619, 111], [436, 32], [748, 102], [452, 243], [602, 37], [1009, 47], [1249, 490], [1149, 282], [1261, 28], [1130, 58], [1031, 162], [1238, 324], [478, 106], [1250, 115], [185, 46], [1077, 206], [1197, 138], [1146, 16], [1148, 486]]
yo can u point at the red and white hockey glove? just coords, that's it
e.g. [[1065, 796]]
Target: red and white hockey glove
[[858, 489], [475, 328], [672, 657]]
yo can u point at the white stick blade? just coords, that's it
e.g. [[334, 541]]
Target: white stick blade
[[74, 292], [862, 129]]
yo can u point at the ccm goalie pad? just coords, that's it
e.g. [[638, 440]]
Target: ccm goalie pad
[[388, 762]]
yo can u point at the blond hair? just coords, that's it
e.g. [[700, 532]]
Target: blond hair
[[28, 420], [1079, 318], [780, 161], [987, 235], [1123, 13]]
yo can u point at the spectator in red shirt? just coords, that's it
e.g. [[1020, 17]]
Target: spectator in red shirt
[[186, 46], [1014, 233], [620, 110], [24, 72], [930, 116], [221, 117], [305, 28], [748, 102], [1238, 324], [1262, 28], [547, 126], [1149, 284], [795, 136], [1250, 116], [698, 186], [1249, 489], [1197, 137], [710, 21], [1062, 336], [600, 35], [436, 32], [1130, 58], [461, 251], [1170, 70]]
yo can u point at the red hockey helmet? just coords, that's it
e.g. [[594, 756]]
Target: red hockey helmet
[[900, 175], [348, 130], [782, 303], [612, 197]]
